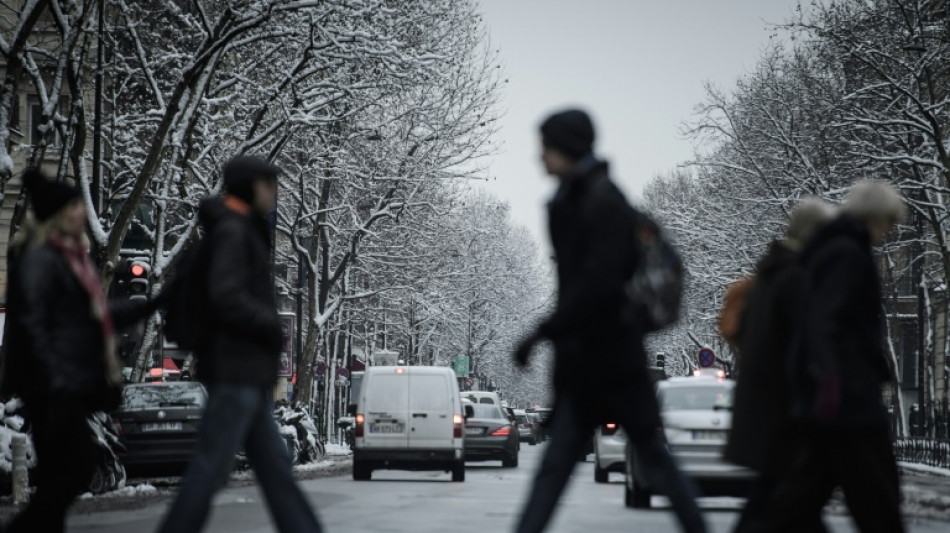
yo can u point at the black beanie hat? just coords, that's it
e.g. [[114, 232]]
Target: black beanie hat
[[570, 132], [48, 197], [241, 172]]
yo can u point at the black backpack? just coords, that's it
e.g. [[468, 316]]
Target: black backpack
[[656, 286], [187, 302]]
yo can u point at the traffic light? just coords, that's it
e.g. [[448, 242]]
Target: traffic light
[[138, 282]]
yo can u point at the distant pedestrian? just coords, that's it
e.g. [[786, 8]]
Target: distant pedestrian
[[838, 368], [238, 356], [761, 433], [600, 365], [59, 349]]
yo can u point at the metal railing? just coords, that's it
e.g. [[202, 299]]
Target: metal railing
[[930, 452]]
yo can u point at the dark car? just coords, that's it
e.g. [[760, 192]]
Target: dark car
[[158, 423], [491, 436]]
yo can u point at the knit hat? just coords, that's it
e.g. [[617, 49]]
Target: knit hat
[[48, 197], [241, 172], [570, 132]]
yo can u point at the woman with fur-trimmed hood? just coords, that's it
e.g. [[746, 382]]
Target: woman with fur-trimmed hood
[[60, 353]]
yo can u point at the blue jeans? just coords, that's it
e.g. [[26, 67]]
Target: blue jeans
[[239, 415], [571, 429]]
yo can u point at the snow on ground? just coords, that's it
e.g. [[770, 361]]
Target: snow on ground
[[124, 492], [319, 465], [916, 467], [338, 449]]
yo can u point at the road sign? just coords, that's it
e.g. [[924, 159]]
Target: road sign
[[707, 358], [462, 366], [321, 369], [343, 373], [469, 382]]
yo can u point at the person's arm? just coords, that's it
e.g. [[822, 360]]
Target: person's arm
[[606, 267], [230, 301], [38, 290]]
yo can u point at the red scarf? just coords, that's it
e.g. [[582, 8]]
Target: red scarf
[[82, 266]]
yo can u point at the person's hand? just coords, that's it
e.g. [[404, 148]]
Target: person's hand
[[828, 397], [523, 351]]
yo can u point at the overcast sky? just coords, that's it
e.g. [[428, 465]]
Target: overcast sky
[[638, 66]]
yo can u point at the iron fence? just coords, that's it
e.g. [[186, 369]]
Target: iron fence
[[930, 452]]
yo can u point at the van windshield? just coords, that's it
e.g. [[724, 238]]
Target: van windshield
[[387, 392], [696, 398]]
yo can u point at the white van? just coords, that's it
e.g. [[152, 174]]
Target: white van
[[409, 418], [479, 396]]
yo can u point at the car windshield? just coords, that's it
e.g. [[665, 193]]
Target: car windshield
[[488, 412], [522, 419], [706, 398], [141, 397]]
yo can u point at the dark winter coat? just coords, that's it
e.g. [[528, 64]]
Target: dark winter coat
[[599, 348], [241, 338], [760, 421], [842, 329], [52, 341]]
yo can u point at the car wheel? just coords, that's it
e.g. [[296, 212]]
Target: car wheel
[[100, 480], [510, 462], [458, 472], [533, 441], [361, 472], [600, 475]]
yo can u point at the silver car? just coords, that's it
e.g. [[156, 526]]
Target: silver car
[[610, 446], [697, 415]]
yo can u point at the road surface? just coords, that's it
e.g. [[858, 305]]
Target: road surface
[[488, 501]]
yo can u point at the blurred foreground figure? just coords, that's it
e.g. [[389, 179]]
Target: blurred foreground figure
[[761, 435], [838, 367], [60, 353], [595, 326], [238, 355]]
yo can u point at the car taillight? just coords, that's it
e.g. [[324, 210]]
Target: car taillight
[[501, 432], [609, 429], [457, 426], [358, 432]]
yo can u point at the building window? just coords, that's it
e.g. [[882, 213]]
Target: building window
[[36, 119], [15, 113], [907, 351]]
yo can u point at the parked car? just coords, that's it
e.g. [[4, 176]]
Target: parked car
[[697, 416], [491, 436], [158, 423], [526, 429], [409, 418], [610, 448]]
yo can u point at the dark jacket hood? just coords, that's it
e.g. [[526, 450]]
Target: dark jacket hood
[[211, 211], [844, 226], [778, 257]]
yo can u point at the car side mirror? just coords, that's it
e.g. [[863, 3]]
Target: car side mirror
[[351, 409], [469, 412]]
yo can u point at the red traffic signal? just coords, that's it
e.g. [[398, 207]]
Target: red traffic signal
[[138, 270]]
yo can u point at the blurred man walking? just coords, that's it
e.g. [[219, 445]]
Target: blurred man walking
[[238, 356], [595, 327], [761, 434], [838, 370], [59, 352]]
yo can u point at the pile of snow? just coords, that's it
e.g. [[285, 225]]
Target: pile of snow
[[125, 492], [926, 469], [313, 467], [338, 450], [13, 424]]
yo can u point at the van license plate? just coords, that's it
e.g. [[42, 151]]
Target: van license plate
[[385, 428], [161, 426], [718, 436]]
